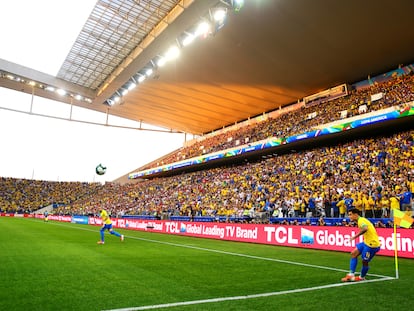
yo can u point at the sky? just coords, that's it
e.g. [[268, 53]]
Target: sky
[[33, 147]]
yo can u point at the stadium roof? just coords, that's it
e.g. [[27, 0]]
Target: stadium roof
[[265, 55]]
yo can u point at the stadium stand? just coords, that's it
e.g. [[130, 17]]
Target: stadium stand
[[298, 187], [395, 91]]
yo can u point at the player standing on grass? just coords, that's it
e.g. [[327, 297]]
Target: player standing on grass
[[107, 225], [367, 249]]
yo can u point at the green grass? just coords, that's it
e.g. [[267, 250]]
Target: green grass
[[59, 266]]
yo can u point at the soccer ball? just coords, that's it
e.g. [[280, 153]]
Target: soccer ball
[[100, 169]]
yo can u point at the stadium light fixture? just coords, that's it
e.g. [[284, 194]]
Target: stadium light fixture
[[61, 92], [161, 61], [172, 53], [202, 29], [219, 15], [189, 38], [38, 85], [214, 18], [131, 86], [141, 78]]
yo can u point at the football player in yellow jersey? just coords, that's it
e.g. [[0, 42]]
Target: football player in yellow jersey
[[107, 225], [367, 249]]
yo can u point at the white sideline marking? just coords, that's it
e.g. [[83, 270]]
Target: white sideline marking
[[231, 253], [251, 256], [194, 302]]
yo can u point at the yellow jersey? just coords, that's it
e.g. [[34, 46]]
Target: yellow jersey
[[342, 207], [105, 218], [370, 236]]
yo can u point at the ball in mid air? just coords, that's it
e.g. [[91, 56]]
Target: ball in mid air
[[100, 169]]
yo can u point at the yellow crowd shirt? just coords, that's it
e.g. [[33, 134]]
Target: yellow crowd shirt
[[394, 203], [342, 207]]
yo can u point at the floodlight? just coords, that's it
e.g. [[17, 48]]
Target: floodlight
[[131, 86], [219, 15], [141, 79], [209, 24], [161, 61], [61, 92], [172, 53], [188, 40], [202, 29]]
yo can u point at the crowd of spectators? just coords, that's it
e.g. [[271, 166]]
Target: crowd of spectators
[[26, 195], [371, 174], [398, 90], [374, 175]]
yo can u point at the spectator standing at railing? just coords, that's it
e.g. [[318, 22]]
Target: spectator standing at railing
[[406, 199], [394, 203], [334, 206], [358, 203], [385, 206], [348, 200], [376, 196], [342, 207], [368, 203], [311, 206], [319, 204], [297, 206]]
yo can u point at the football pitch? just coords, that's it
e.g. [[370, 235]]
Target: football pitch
[[59, 266]]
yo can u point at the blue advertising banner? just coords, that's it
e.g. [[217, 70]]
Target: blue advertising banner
[[398, 112], [80, 220]]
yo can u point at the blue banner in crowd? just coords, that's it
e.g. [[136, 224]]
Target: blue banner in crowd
[[406, 111]]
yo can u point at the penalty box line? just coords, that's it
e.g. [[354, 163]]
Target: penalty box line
[[221, 299]]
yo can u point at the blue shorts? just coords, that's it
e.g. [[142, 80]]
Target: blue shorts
[[367, 253], [107, 227]]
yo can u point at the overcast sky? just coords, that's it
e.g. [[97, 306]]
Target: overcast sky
[[39, 35]]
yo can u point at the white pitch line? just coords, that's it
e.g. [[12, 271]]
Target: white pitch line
[[251, 256], [212, 300], [230, 253]]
